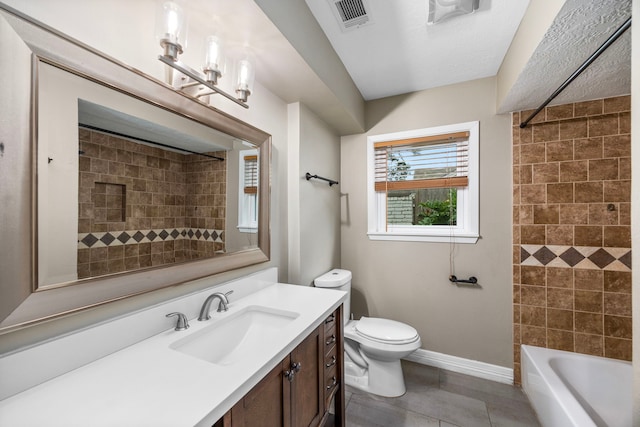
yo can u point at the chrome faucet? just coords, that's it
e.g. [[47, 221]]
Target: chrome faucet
[[222, 306]]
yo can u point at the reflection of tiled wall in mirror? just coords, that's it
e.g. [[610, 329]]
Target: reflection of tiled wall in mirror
[[142, 206]]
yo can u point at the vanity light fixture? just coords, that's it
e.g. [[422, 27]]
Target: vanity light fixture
[[170, 31]]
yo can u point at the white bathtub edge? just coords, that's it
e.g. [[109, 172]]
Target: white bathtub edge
[[461, 365]]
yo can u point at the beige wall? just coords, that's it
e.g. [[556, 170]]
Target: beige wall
[[408, 281], [314, 223]]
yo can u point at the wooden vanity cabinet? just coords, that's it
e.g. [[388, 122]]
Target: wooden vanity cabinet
[[292, 397]]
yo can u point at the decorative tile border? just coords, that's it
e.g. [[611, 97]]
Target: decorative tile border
[[119, 238], [586, 257]]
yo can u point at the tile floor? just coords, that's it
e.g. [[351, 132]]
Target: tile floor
[[439, 398]]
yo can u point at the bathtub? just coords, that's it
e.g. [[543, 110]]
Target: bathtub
[[570, 389]]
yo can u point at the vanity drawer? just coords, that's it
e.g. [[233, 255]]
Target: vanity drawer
[[330, 321], [330, 339], [331, 358], [331, 384]]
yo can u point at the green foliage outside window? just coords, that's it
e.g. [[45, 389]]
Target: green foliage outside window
[[439, 212]]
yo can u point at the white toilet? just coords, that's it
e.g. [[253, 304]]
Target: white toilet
[[373, 346]]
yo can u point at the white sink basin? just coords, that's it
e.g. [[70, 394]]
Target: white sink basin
[[236, 337]]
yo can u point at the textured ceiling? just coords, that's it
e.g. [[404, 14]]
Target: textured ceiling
[[578, 30], [398, 53]]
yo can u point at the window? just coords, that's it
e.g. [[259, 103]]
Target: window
[[248, 197], [423, 184]]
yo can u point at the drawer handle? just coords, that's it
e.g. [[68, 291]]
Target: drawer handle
[[334, 381], [330, 319], [331, 340], [333, 362]]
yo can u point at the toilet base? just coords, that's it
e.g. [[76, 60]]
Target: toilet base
[[380, 378]]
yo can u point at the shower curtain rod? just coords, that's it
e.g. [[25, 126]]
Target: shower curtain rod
[[624, 27], [122, 135]]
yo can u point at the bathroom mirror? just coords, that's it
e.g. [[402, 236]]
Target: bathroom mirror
[[113, 183]]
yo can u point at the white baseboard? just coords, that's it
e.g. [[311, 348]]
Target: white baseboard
[[464, 366]]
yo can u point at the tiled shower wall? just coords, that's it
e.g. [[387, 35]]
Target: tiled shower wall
[[141, 206], [572, 229]]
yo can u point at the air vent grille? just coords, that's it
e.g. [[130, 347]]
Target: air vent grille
[[351, 14]]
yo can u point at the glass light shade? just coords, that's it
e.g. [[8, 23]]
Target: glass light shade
[[170, 24], [214, 63], [245, 76]]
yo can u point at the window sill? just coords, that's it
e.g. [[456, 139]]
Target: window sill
[[412, 237], [247, 229]]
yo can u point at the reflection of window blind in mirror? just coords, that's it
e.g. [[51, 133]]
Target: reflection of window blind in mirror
[[251, 174]]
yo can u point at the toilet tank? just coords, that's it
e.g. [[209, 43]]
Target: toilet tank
[[340, 280]]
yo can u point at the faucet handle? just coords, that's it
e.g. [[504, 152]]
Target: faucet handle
[[182, 323], [222, 305]]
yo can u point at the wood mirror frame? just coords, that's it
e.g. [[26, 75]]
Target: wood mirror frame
[[26, 43]]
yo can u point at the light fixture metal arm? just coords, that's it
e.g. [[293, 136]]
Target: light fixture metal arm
[[190, 72]]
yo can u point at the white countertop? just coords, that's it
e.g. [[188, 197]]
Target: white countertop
[[150, 384]]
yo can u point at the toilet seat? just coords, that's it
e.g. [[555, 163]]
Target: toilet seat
[[386, 331]]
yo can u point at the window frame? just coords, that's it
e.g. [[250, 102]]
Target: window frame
[[247, 202], [468, 201]]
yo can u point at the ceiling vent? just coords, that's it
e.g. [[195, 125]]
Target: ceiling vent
[[351, 14]]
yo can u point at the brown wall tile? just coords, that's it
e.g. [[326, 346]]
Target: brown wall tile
[[533, 234], [588, 192], [587, 235], [560, 298], [588, 301], [546, 214], [560, 277], [617, 104], [532, 153], [617, 348], [532, 275], [532, 194], [588, 108], [589, 323], [544, 132], [617, 191], [603, 169], [574, 171], [560, 319], [533, 315], [574, 214], [617, 326], [560, 340], [558, 112], [615, 303], [533, 295], [546, 172], [617, 236], [588, 148], [560, 235], [571, 129], [603, 125], [589, 344], [560, 193], [559, 151], [617, 146]]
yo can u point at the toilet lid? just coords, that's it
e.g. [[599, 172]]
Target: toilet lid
[[386, 331]]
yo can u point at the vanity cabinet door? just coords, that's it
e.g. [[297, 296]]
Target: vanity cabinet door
[[307, 394], [298, 392], [267, 404]]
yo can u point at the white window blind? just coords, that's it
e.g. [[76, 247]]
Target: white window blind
[[251, 174], [436, 161]]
